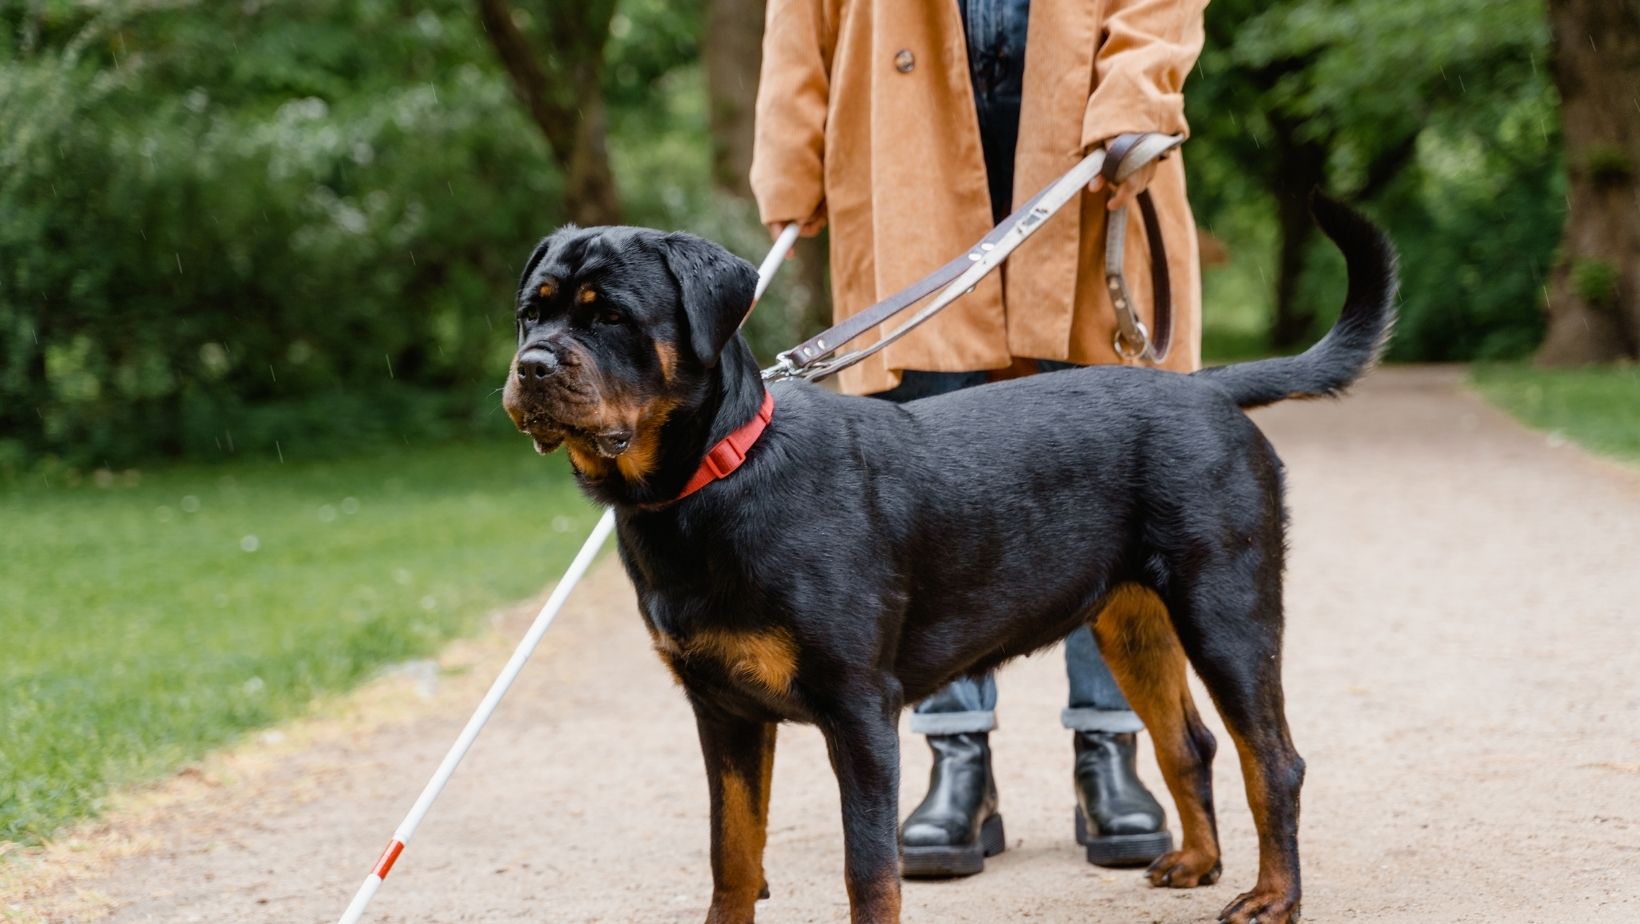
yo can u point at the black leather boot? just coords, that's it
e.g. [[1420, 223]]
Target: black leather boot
[[1117, 818], [957, 826]]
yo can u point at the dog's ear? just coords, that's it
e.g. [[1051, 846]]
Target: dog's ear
[[716, 288]]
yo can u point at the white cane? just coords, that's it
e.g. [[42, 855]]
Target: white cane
[[521, 654]]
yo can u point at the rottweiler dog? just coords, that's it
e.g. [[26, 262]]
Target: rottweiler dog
[[855, 555]]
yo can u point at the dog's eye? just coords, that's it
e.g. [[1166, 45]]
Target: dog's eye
[[532, 315], [610, 316]]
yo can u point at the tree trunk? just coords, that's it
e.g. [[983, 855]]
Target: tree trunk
[[23, 398], [1303, 169], [733, 54], [733, 50], [561, 90], [1594, 301]]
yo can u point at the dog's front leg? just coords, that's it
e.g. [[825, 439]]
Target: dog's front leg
[[863, 739], [739, 760]]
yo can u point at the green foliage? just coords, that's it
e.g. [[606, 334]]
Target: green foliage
[[150, 616], [658, 132], [296, 223], [1440, 116], [1477, 219], [1593, 406], [1359, 76], [649, 40], [186, 232], [1595, 282]]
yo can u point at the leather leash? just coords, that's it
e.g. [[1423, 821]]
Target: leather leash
[[816, 358], [1126, 155]]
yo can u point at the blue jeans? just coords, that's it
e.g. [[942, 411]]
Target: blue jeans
[[968, 704]]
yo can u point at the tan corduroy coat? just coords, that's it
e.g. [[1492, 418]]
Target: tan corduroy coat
[[865, 108]]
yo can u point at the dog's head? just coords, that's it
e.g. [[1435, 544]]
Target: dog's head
[[618, 330]]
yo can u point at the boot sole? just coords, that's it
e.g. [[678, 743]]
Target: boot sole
[[950, 862], [1118, 851]]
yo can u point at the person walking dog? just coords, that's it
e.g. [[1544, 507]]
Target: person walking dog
[[912, 128]]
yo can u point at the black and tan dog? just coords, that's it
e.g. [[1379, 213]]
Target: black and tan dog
[[865, 553]]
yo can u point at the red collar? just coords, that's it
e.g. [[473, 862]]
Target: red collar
[[730, 452]]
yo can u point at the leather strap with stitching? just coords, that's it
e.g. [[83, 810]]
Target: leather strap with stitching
[[1123, 156], [828, 340]]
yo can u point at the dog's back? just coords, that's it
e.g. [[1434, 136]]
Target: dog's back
[[1008, 511]]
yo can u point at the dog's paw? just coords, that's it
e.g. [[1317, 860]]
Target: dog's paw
[[1184, 869], [1262, 906], [735, 908], [723, 915]]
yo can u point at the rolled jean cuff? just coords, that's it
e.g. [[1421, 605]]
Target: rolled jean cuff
[[1097, 720], [953, 723]]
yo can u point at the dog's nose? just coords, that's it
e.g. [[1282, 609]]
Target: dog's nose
[[537, 362]]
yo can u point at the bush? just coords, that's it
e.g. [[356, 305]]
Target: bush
[[185, 234], [1478, 220]]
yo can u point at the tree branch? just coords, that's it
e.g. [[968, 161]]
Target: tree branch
[[529, 79]]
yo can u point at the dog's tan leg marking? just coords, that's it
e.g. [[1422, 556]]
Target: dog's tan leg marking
[[768, 658], [876, 903], [1246, 688], [1137, 640], [740, 825], [667, 647], [1270, 766]]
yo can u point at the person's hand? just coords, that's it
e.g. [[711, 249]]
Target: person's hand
[[1128, 190], [811, 226]]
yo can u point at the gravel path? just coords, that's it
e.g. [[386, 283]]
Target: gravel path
[[1463, 678]]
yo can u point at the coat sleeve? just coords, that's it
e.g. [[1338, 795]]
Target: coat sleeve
[[793, 89], [1146, 49]]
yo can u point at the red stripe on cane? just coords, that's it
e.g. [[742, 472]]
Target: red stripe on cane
[[385, 864]]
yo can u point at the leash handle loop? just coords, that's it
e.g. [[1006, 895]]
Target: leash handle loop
[[1128, 154]]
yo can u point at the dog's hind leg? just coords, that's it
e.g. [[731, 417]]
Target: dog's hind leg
[[739, 761], [1229, 623], [1136, 638]]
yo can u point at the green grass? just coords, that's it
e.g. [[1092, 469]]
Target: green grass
[[1596, 407], [145, 619]]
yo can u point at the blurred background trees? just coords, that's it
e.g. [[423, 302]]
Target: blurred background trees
[[1439, 116], [552, 66], [1595, 301], [291, 226]]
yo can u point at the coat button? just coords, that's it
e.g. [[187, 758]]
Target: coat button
[[904, 61]]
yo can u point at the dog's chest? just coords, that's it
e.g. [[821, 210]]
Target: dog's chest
[[760, 661]]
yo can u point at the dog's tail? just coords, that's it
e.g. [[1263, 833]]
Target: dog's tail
[[1353, 345]]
